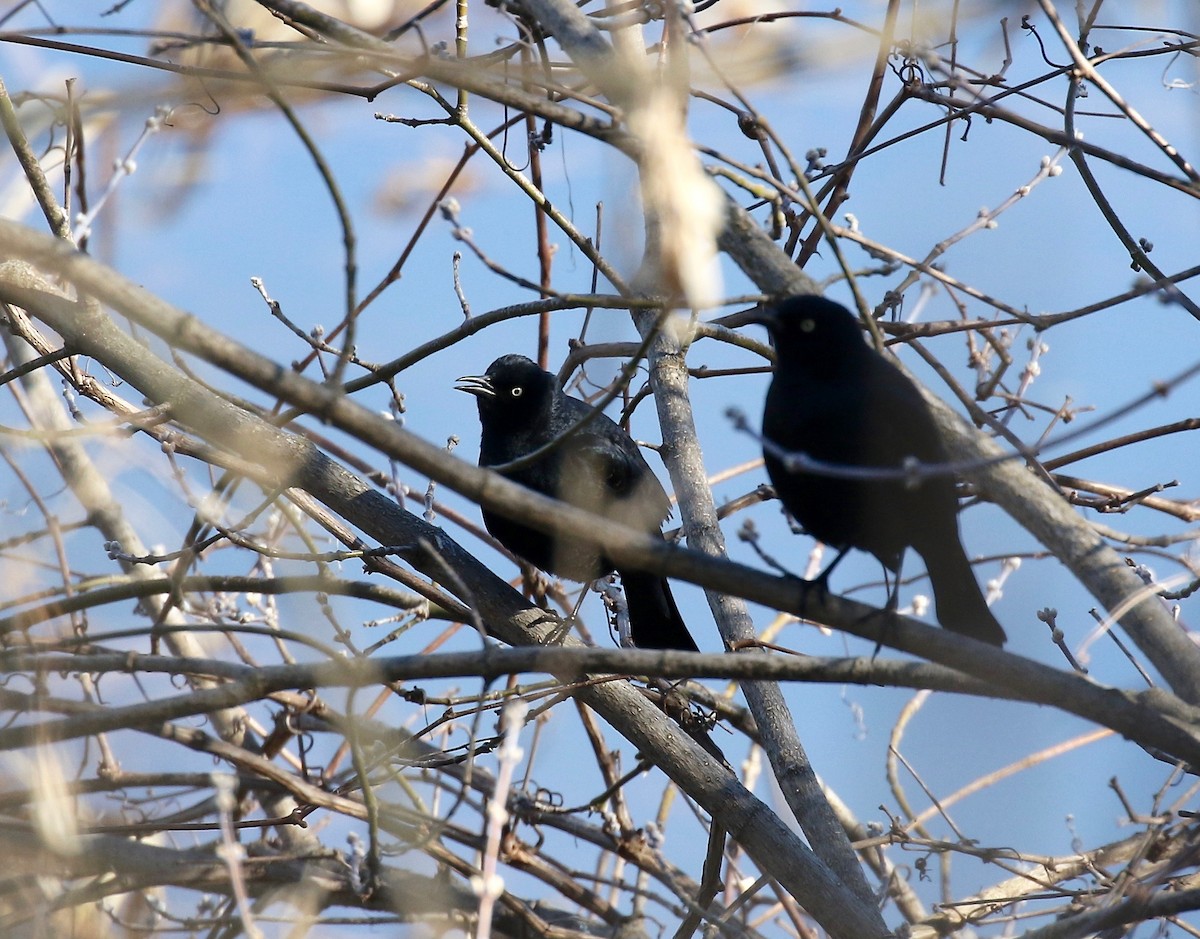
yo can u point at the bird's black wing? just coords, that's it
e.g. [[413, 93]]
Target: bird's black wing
[[604, 472], [895, 427], [900, 425], [609, 477]]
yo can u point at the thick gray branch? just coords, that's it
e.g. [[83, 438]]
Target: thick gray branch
[[1041, 511]]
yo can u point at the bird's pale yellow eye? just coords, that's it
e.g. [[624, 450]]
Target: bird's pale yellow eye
[[517, 392], [807, 325]]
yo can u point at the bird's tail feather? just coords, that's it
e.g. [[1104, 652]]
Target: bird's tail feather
[[654, 619], [960, 604]]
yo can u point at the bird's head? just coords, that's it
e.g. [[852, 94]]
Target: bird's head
[[513, 390], [810, 329]]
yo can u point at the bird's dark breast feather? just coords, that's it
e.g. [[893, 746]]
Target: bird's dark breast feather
[[825, 420]]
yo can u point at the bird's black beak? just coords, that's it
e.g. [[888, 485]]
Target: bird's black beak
[[761, 316], [478, 385]]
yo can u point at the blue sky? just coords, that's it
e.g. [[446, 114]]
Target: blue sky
[[257, 208]]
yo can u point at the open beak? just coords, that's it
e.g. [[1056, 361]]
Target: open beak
[[478, 385]]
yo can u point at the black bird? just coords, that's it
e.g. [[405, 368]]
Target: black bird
[[598, 468], [837, 400]]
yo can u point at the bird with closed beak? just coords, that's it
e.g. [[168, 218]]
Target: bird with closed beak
[[842, 404]]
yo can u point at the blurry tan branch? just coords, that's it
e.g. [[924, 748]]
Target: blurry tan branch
[[87, 481], [470, 76], [681, 203], [134, 862], [90, 486]]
